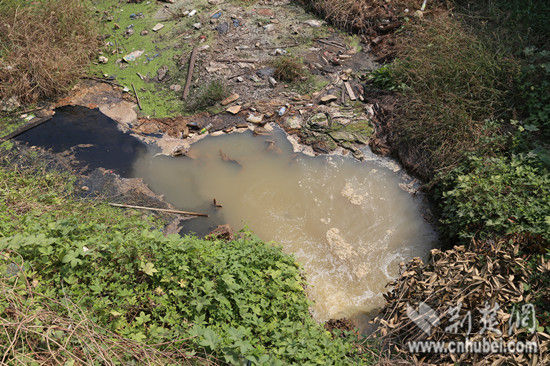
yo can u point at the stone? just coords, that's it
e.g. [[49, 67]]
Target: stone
[[234, 109], [223, 28], [255, 78], [222, 232], [158, 27], [272, 81], [144, 32], [343, 136], [265, 72], [255, 119], [328, 98], [162, 72], [314, 23], [294, 122], [197, 25], [102, 59], [192, 13], [175, 87], [240, 79], [230, 99], [319, 120]]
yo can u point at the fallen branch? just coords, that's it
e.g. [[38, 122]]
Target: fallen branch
[[137, 98], [159, 209], [25, 128], [331, 43], [190, 73], [243, 60], [106, 81]]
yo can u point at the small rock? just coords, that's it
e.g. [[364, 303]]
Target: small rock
[[294, 122], [222, 232], [197, 25], [255, 119], [240, 79], [318, 120], [314, 23], [265, 72], [158, 27], [85, 188], [272, 81], [144, 32], [230, 99], [223, 28], [234, 109], [175, 87], [255, 78], [328, 98], [279, 52], [162, 72], [192, 13], [258, 131], [102, 59]]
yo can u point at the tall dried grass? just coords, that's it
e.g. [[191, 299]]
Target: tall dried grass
[[362, 16], [44, 46], [453, 83]]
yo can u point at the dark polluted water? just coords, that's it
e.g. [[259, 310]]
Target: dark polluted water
[[348, 223]]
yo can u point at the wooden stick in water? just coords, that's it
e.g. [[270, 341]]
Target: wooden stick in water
[[159, 209]]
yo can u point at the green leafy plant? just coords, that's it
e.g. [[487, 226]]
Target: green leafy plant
[[238, 301], [499, 195]]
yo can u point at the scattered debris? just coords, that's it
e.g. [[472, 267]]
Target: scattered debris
[[132, 56], [230, 99], [328, 98], [255, 119], [157, 27], [234, 109]]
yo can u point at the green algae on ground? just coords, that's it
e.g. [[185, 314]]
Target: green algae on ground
[[165, 48]]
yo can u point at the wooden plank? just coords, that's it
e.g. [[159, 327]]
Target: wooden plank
[[350, 91]]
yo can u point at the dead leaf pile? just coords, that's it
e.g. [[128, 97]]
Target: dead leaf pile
[[475, 279]]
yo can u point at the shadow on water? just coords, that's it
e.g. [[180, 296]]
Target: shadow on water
[[92, 137]]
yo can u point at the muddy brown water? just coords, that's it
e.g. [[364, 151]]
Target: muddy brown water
[[348, 223]]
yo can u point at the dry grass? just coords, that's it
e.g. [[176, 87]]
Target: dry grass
[[363, 16], [44, 46], [288, 69], [453, 83], [487, 273]]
